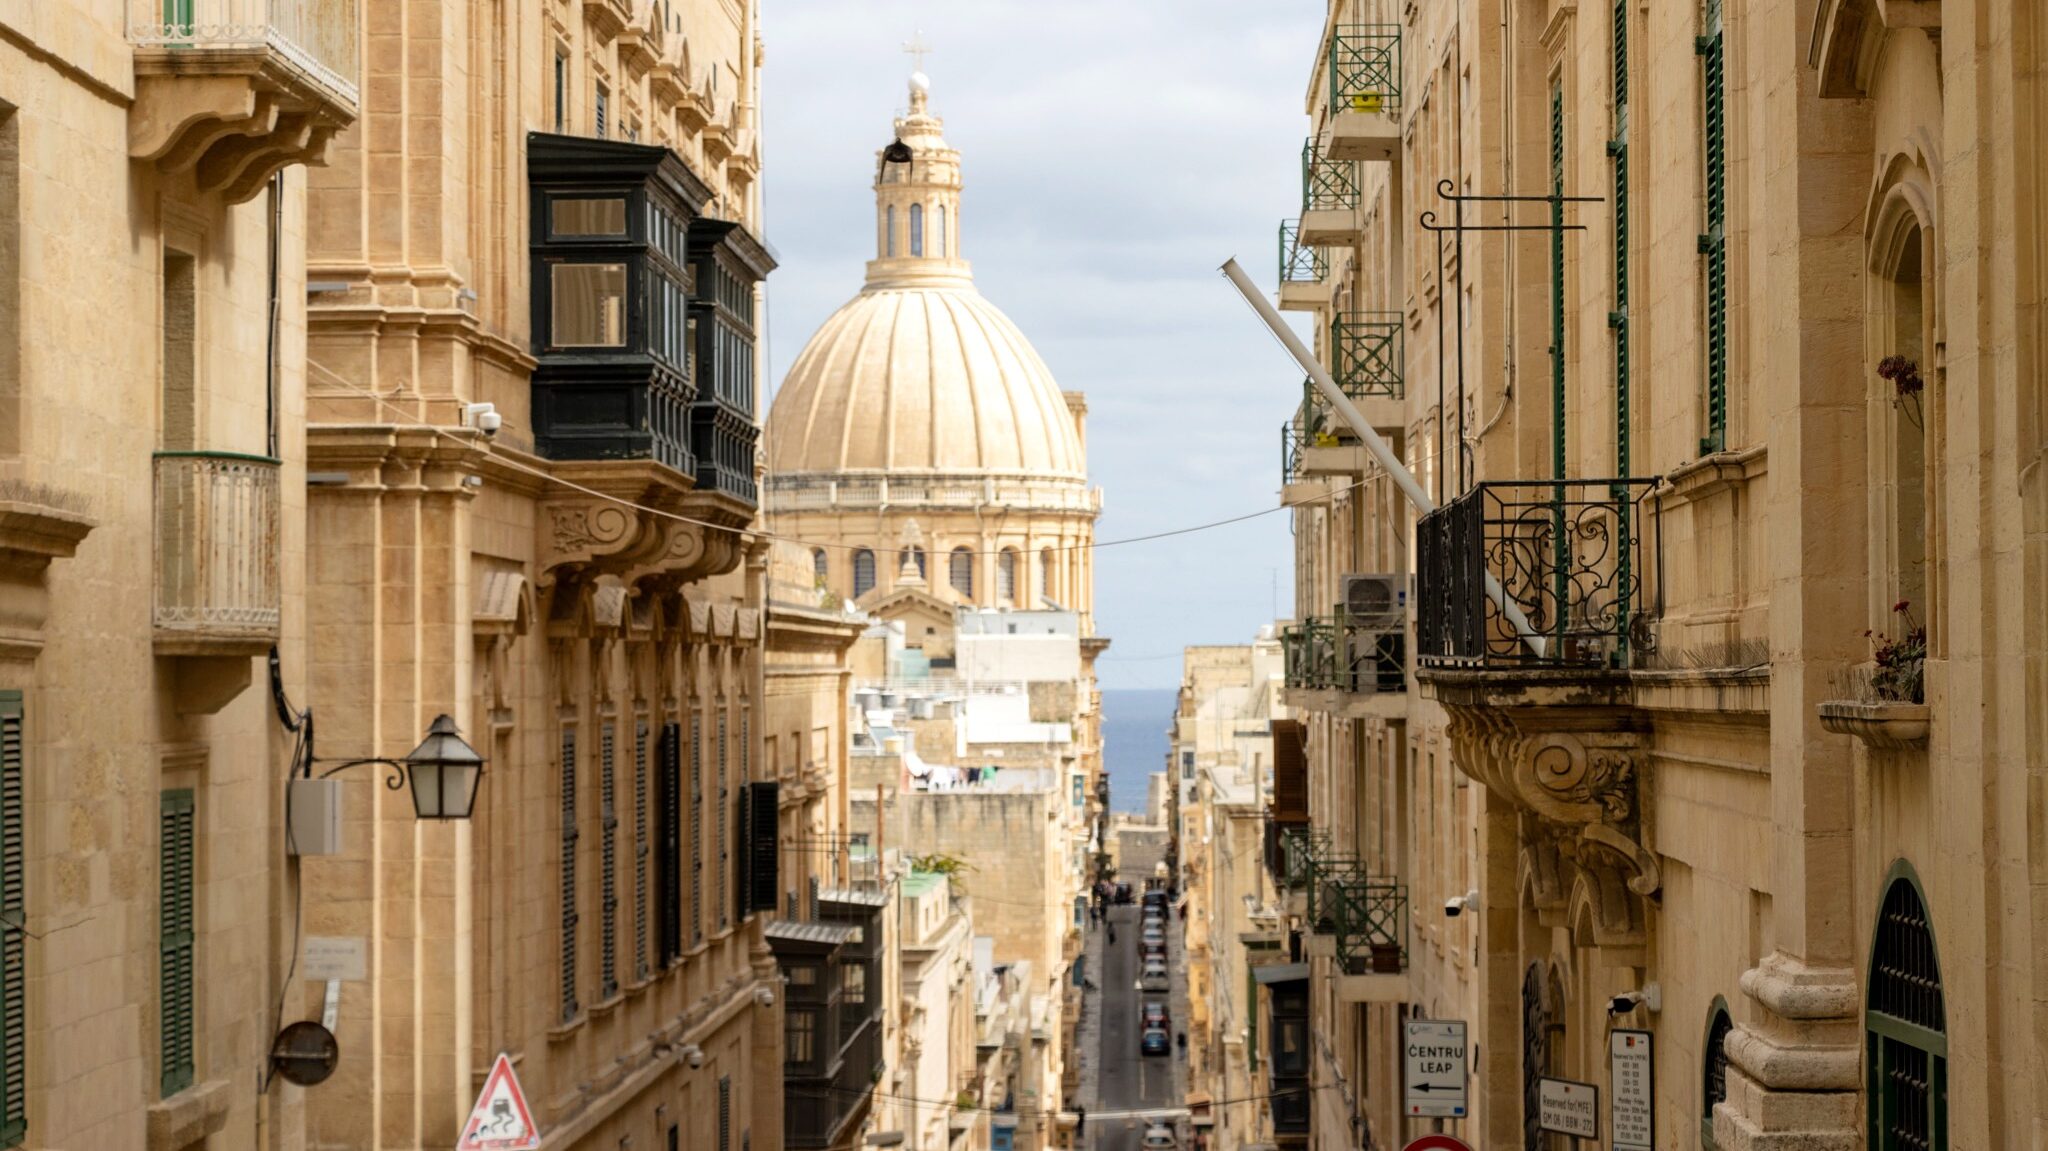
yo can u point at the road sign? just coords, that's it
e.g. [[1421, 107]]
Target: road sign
[[1438, 1143], [500, 1121], [1433, 1067], [1632, 1107], [1568, 1108]]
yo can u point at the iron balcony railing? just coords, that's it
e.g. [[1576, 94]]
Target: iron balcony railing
[[320, 37], [217, 547], [1365, 68], [1568, 553], [1326, 183], [1300, 263], [1365, 354], [1299, 849], [1369, 919], [1337, 652]]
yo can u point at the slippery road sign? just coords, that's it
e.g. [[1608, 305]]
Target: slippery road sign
[[500, 1121], [1433, 1067]]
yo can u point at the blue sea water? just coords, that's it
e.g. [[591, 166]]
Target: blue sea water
[[1134, 741]]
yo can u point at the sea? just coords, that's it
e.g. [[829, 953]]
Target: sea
[[1134, 741]]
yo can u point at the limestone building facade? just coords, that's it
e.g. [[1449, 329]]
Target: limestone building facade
[[1717, 362]]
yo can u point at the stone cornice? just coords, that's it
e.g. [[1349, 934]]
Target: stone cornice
[[32, 533]]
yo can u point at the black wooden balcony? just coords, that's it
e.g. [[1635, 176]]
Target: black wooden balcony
[[1569, 556]]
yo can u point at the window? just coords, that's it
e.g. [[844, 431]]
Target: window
[[863, 572], [1187, 765], [13, 909], [567, 875], [960, 571], [606, 217], [608, 858], [889, 230], [853, 985], [633, 130], [589, 306], [640, 849], [800, 1035], [180, 352], [818, 564], [697, 828], [1045, 588], [175, 847], [1006, 576], [561, 90], [669, 837], [942, 232], [1618, 322], [725, 1113], [600, 111], [1080, 796], [724, 891], [917, 229], [1711, 46], [1714, 1068], [1906, 1050]]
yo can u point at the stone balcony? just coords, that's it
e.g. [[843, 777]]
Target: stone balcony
[[232, 91], [218, 552]]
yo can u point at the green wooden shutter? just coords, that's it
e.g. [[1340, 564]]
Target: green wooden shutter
[[570, 1006], [669, 827], [641, 852], [697, 828], [725, 1113], [1618, 319], [1557, 278], [608, 871], [1714, 242], [724, 832], [175, 846], [13, 918]]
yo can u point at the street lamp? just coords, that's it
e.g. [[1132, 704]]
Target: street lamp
[[444, 772]]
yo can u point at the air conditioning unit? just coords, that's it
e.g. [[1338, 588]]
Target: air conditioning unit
[[1374, 601]]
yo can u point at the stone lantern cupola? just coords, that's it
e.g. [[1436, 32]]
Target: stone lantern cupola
[[917, 205]]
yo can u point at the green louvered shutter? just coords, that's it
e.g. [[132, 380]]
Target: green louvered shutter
[[669, 837], [725, 1113], [608, 870], [1557, 277], [570, 1006], [697, 828], [175, 937], [1714, 242], [724, 832], [641, 851], [1618, 319], [13, 917]]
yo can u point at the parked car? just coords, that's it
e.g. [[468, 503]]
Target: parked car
[[1160, 1138], [1154, 898], [1155, 1014], [1153, 931], [1152, 949], [1152, 976], [1154, 1041], [1123, 893]]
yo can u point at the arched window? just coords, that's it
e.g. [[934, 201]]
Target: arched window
[[863, 572], [1714, 1068], [917, 229], [1906, 1052], [960, 572], [1045, 573], [818, 566], [942, 231], [1006, 576], [889, 230]]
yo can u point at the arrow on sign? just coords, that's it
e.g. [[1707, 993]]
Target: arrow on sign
[[1435, 1087]]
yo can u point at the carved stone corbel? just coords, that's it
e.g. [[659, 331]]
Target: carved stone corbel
[[590, 536]]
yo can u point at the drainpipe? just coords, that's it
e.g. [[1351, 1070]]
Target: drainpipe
[[1398, 471]]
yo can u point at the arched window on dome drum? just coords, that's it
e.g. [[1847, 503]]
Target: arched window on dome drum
[[1006, 576], [960, 571], [818, 565], [917, 229], [1714, 1068], [1045, 573], [863, 572], [942, 231], [1906, 1048], [889, 230]]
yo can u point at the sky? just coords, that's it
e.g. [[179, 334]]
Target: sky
[[1113, 155]]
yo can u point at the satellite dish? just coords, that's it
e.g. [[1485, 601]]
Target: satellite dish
[[305, 1053]]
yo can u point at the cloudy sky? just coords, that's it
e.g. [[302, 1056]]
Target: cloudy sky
[[1114, 153]]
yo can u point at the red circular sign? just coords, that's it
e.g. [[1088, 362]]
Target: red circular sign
[[1438, 1143]]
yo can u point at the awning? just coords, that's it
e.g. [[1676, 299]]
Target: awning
[[1280, 972]]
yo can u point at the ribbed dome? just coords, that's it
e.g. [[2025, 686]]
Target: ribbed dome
[[922, 379]]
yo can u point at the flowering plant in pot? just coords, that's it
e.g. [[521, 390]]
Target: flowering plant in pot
[[1900, 661], [1903, 373]]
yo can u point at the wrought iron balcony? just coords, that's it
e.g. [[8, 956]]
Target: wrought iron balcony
[[233, 90], [1329, 197], [217, 553], [1368, 916], [1364, 68], [1300, 263], [1365, 354], [1569, 554], [1338, 653]]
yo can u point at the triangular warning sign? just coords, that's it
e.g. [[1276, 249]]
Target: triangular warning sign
[[500, 1121]]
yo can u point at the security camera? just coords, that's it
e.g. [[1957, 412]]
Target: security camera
[[483, 417], [764, 997], [1457, 905], [692, 1054], [1651, 997]]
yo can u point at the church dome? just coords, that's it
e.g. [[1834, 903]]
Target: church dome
[[919, 373]]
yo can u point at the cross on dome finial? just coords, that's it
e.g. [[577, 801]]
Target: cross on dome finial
[[917, 48]]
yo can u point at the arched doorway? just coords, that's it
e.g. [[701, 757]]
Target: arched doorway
[[1906, 1041]]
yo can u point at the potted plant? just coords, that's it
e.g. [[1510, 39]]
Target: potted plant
[[1903, 373], [1900, 663], [1887, 704]]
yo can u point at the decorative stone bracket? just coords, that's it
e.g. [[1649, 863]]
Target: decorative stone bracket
[[32, 533], [584, 536]]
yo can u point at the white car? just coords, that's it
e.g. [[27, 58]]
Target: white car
[[1158, 1138], [1152, 977]]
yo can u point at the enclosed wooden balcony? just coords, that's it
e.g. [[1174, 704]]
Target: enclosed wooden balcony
[[1364, 72], [231, 91], [218, 551]]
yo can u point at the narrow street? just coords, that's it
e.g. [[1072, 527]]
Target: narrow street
[[1129, 1088]]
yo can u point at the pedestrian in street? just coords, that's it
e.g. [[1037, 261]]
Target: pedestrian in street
[[1180, 1040]]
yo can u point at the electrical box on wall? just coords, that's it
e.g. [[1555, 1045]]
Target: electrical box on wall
[[315, 825]]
